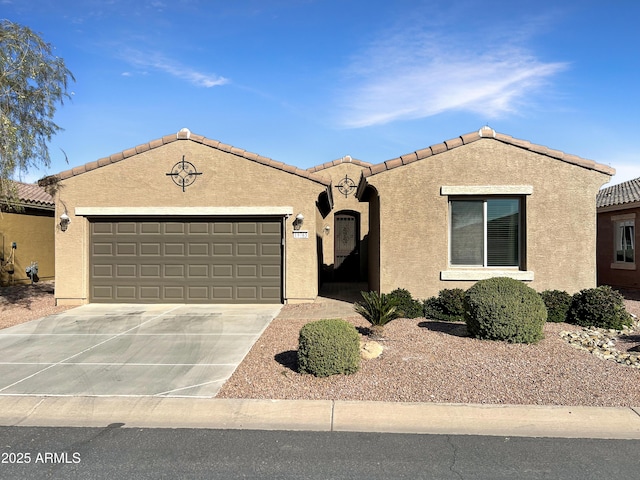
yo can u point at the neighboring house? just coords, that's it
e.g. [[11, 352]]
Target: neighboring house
[[618, 209], [27, 235], [482, 205], [188, 219]]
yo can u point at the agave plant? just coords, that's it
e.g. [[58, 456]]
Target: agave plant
[[378, 309]]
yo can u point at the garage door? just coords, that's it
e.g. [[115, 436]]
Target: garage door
[[186, 261]]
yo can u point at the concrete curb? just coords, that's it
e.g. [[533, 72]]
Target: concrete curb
[[322, 415]]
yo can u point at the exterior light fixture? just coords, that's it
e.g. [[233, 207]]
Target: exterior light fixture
[[64, 222], [297, 223]]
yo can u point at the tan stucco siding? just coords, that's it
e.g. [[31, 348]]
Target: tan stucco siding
[[226, 181], [414, 216], [34, 238]]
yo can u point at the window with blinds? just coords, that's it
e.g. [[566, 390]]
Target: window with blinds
[[625, 240], [485, 232]]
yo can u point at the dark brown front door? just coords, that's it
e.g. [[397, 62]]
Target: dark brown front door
[[346, 246]]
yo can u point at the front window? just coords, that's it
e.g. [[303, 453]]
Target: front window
[[485, 232], [625, 241]]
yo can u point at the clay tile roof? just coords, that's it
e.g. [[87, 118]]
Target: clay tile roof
[[183, 135], [485, 133], [32, 195], [339, 161], [625, 192]]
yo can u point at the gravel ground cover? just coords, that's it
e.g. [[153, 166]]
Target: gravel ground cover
[[422, 361], [431, 361], [23, 303]]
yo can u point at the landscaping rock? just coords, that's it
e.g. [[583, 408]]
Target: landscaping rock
[[370, 349], [601, 343]]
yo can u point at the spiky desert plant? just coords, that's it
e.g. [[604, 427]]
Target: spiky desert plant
[[378, 309]]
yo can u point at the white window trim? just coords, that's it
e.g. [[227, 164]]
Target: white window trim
[[615, 219], [486, 190], [484, 273], [183, 211]]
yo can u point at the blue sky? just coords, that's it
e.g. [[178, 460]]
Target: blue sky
[[305, 82]]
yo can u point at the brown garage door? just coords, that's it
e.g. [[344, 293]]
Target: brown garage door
[[186, 261]]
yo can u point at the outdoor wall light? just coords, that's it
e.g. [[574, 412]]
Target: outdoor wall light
[[64, 222], [327, 229], [297, 223]]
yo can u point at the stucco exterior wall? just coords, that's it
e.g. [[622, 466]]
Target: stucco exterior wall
[[227, 180], [33, 233], [560, 226], [342, 203], [610, 273]]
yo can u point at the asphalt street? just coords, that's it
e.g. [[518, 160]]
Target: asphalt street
[[116, 453]]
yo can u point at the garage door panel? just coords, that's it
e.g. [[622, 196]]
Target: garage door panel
[[247, 249], [173, 271], [174, 249], [126, 271], [174, 228], [198, 271], [150, 271], [198, 249], [223, 249], [126, 249], [150, 228], [152, 249], [186, 261], [105, 249], [126, 293], [150, 293], [124, 228]]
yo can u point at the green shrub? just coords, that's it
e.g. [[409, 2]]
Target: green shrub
[[447, 306], [406, 305], [378, 309], [557, 303], [504, 309], [600, 307], [328, 347]]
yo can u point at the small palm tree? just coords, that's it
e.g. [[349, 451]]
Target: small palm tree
[[378, 309]]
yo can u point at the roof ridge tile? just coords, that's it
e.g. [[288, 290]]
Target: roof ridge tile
[[182, 135], [486, 133]]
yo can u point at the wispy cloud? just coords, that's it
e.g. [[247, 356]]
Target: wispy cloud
[[174, 68], [419, 75]]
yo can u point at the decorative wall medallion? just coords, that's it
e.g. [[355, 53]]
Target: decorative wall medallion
[[346, 186], [183, 173]]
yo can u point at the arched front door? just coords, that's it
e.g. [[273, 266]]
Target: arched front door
[[346, 245]]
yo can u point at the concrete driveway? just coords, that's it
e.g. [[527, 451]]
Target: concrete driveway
[[130, 350]]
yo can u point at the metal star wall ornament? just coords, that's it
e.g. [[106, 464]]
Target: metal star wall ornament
[[184, 173], [346, 186]]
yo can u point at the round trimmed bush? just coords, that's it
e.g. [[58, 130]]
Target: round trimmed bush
[[557, 303], [504, 309], [447, 306], [328, 347], [601, 307], [406, 305]]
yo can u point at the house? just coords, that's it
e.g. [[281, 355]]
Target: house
[[188, 219], [482, 205], [27, 235], [618, 206]]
